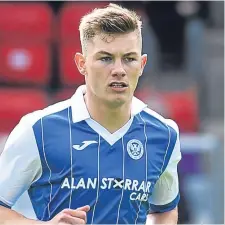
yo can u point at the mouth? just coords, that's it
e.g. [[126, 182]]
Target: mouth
[[118, 86]]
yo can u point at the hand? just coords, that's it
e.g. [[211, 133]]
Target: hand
[[71, 216]]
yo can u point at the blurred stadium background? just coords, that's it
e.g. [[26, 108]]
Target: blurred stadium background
[[184, 80]]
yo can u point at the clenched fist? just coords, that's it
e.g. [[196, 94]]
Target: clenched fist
[[71, 216]]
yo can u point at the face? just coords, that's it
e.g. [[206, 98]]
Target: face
[[112, 66]]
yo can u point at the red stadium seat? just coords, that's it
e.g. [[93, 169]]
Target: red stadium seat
[[70, 76], [183, 108], [70, 16], [26, 32], [15, 103], [25, 63], [34, 21]]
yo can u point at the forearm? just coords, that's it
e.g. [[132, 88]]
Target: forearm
[[170, 217], [10, 217]]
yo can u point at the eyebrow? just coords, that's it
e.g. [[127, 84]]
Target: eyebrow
[[131, 53], [103, 53], [107, 53]]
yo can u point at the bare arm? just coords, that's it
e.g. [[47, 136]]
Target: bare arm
[[170, 217], [10, 217]]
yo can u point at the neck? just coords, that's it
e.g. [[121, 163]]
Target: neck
[[111, 119]]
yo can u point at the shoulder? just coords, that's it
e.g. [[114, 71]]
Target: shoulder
[[32, 118], [165, 132], [23, 133], [27, 122], [25, 125], [158, 122]]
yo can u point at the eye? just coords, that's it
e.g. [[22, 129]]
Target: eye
[[129, 59], [106, 59]]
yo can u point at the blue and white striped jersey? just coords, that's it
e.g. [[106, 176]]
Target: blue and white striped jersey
[[65, 159]]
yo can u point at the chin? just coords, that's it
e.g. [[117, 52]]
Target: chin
[[117, 102]]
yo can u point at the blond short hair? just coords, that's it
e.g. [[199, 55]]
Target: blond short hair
[[112, 19]]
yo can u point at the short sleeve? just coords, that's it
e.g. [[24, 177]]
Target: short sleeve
[[20, 164], [165, 196]]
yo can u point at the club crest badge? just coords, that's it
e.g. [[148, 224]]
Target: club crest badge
[[135, 149]]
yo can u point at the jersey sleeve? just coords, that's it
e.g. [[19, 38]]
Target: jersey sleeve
[[20, 164], [165, 196]]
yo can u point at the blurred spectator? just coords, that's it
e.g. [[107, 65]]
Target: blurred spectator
[[178, 27], [168, 20], [56, 5], [168, 27]]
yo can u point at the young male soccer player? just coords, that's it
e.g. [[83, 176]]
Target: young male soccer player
[[101, 157]]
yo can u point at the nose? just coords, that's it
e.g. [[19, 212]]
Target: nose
[[118, 69]]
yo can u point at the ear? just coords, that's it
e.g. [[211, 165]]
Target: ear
[[144, 59], [79, 60]]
